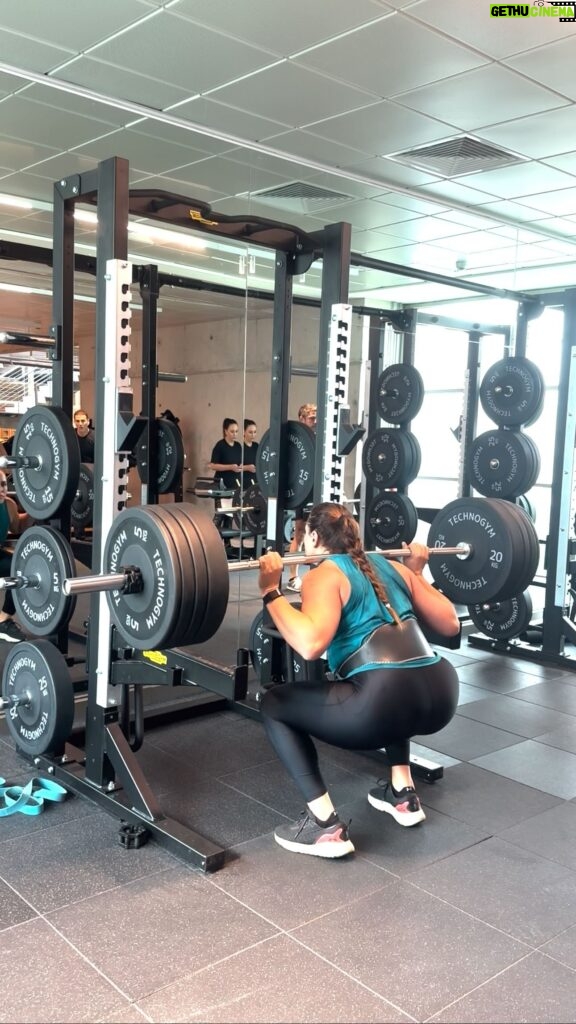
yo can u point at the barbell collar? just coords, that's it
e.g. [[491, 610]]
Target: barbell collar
[[18, 582], [16, 700], [22, 462]]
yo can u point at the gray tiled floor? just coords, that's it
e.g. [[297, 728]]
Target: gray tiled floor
[[469, 917]]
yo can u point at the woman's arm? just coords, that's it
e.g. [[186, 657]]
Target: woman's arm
[[311, 630], [432, 607]]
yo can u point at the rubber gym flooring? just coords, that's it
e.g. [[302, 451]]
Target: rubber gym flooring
[[470, 916]]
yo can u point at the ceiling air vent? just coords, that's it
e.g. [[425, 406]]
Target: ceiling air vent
[[301, 197], [457, 156]]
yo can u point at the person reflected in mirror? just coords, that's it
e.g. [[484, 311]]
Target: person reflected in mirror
[[385, 683], [306, 414], [250, 451], [226, 459], [12, 522], [85, 435]]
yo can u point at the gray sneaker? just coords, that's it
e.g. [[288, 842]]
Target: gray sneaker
[[404, 806], [10, 632], [307, 836], [294, 584]]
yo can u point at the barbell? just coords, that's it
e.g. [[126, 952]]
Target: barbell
[[166, 575]]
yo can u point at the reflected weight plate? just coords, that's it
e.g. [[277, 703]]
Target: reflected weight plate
[[505, 619], [170, 455], [496, 568], [391, 519], [254, 517], [294, 465], [38, 673], [82, 508], [47, 434], [400, 393], [43, 556], [512, 392]]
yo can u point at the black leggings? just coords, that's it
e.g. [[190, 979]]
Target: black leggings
[[374, 709], [6, 570]]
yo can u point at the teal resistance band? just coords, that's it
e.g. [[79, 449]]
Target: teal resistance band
[[29, 799]]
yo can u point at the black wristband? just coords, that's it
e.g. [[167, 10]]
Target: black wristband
[[272, 595]]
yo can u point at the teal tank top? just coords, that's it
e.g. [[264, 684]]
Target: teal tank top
[[364, 612]]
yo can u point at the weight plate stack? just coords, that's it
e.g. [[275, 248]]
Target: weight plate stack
[[170, 456], [400, 393], [82, 508], [36, 674], [260, 646], [503, 463], [503, 620], [46, 434], [501, 560], [390, 458], [297, 460], [391, 519], [512, 392], [44, 557]]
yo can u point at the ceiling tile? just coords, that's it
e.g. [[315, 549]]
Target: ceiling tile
[[561, 201], [75, 29], [454, 191], [9, 83], [538, 135], [56, 99], [30, 54], [282, 28], [286, 170], [566, 162], [380, 129], [312, 147], [134, 86], [143, 151], [174, 185], [374, 58], [481, 97], [23, 119], [228, 177], [17, 154], [31, 186], [228, 119], [414, 203], [292, 94], [190, 56], [498, 38], [515, 211], [518, 180], [179, 135], [391, 173], [551, 65], [425, 229]]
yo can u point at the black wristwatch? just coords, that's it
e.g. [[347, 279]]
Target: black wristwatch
[[272, 595]]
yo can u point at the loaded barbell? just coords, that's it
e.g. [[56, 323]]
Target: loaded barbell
[[166, 575]]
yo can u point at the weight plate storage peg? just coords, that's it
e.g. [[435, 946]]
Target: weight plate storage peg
[[82, 508], [391, 519], [512, 392], [503, 620], [297, 458], [39, 697], [400, 393], [47, 461], [497, 567], [170, 455], [42, 560]]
